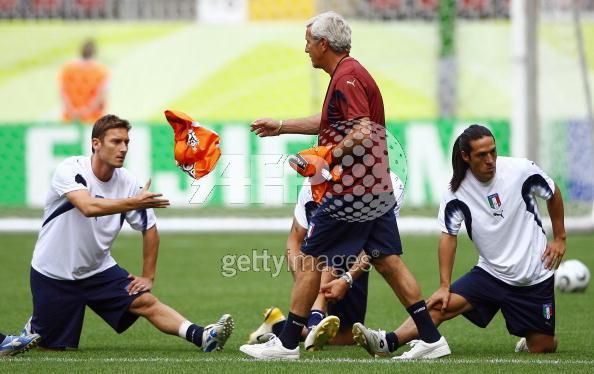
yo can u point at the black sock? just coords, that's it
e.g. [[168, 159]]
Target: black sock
[[427, 330], [292, 331], [392, 341], [2, 337], [194, 334], [277, 328]]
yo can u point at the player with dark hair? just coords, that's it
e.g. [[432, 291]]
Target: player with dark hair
[[72, 267], [495, 198], [356, 212]]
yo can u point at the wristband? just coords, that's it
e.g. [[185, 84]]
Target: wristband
[[348, 278], [280, 126]]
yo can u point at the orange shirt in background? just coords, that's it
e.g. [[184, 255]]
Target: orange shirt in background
[[83, 85]]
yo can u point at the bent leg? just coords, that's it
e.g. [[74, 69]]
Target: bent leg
[[408, 292], [400, 279], [58, 311], [162, 316], [541, 343], [307, 285], [320, 302], [456, 306], [343, 337]]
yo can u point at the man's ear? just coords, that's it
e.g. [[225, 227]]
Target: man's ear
[[95, 143], [465, 156], [325, 44]]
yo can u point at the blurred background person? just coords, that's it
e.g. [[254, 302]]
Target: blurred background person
[[83, 87]]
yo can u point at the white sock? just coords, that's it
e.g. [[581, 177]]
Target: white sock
[[183, 329]]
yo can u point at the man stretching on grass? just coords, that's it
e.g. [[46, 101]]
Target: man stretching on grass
[[89, 200], [494, 197]]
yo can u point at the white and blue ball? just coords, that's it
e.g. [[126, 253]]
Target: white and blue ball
[[572, 276]]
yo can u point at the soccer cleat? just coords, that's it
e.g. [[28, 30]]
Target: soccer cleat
[[374, 341], [413, 342], [13, 345], [272, 316], [27, 328], [215, 335], [522, 346], [422, 350], [271, 350], [322, 333]]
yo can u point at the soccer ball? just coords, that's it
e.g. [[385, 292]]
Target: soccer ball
[[572, 276]]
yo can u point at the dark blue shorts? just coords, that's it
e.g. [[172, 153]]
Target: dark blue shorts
[[328, 237], [525, 309], [59, 305], [353, 306]]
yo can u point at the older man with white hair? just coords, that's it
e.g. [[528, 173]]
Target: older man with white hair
[[356, 211]]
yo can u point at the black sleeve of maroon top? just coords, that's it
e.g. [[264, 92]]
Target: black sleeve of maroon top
[[355, 103]]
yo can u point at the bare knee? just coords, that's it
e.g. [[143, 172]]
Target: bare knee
[[144, 304], [387, 264], [541, 343], [307, 268]]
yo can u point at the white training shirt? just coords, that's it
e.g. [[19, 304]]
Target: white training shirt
[[71, 246], [305, 204], [501, 218]]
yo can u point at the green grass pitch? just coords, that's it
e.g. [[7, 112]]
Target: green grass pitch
[[189, 279]]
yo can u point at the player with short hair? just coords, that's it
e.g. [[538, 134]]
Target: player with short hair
[[342, 300], [356, 211], [72, 267], [495, 198]]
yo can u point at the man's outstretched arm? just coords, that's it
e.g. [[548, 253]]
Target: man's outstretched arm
[[264, 127], [95, 207]]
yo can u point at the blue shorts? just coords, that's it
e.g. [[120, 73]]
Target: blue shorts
[[353, 306], [525, 309], [59, 305], [328, 237]]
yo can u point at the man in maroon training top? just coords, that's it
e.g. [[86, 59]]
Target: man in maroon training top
[[357, 209]]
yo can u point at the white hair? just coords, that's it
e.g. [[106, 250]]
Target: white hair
[[332, 27]]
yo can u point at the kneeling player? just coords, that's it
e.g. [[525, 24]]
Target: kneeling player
[[495, 198], [342, 301], [72, 267]]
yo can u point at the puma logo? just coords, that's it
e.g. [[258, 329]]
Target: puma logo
[[495, 214], [352, 83], [581, 277]]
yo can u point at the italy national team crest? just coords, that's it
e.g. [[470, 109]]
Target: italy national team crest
[[547, 311], [495, 203]]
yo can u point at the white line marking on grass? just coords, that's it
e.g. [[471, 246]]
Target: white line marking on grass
[[406, 225], [462, 361]]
